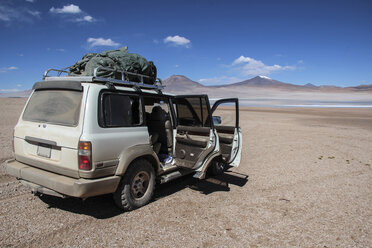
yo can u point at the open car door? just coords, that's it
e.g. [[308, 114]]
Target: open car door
[[225, 116], [194, 138]]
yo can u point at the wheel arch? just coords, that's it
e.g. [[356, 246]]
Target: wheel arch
[[207, 163], [154, 162], [134, 153]]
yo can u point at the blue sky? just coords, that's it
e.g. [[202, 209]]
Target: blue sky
[[211, 41]]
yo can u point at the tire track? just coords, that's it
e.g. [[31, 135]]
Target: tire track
[[53, 237]]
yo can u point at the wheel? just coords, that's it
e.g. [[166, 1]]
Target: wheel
[[216, 168], [136, 187]]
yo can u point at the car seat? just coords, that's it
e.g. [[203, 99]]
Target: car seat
[[160, 124]]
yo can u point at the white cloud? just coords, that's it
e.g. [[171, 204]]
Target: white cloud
[[30, 1], [6, 69], [92, 42], [242, 59], [177, 40], [19, 85], [34, 13], [68, 9], [79, 15], [56, 49], [10, 13], [249, 66], [86, 18], [4, 16]]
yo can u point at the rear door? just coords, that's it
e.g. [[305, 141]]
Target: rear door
[[47, 134], [225, 116], [194, 136]]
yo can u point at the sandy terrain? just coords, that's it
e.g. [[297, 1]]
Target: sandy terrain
[[304, 180]]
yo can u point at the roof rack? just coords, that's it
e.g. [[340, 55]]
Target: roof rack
[[124, 81]]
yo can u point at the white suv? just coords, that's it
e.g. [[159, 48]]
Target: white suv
[[88, 136]]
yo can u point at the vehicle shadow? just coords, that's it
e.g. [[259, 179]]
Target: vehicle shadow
[[207, 186], [100, 207], [103, 207]]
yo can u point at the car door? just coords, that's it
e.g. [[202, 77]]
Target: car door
[[225, 116], [194, 135]]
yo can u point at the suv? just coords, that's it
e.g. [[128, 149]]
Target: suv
[[88, 136]]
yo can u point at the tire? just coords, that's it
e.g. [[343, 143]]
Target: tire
[[216, 168], [136, 188]]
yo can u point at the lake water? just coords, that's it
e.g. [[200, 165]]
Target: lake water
[[290, 103]]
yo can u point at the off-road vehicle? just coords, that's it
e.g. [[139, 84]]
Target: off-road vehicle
[[83, 136]]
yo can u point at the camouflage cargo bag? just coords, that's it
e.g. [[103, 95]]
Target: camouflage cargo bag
[[116, 59]]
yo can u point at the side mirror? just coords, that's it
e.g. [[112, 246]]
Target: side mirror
[[217, 120]]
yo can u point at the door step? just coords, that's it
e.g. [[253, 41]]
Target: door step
[[173, 175]]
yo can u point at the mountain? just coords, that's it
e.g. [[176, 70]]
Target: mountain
[[264, 82], [24, 93], [259, 81], [259, 86], [309, 85], [363, 87], [179, 84]]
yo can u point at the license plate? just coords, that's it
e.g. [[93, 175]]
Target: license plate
[[44, 151]]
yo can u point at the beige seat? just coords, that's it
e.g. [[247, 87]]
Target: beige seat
[[169, 132], [154, 142]]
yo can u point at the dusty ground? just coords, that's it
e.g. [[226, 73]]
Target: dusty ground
[[305, 180]]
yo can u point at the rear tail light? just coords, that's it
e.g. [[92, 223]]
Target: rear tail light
[[85, 155]]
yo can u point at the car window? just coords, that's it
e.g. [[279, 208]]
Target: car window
[[120, 110], [225, 114], [205, 112], [152, 102], [61, 107], [192, 111]]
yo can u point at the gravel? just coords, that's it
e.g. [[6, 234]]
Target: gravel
[[304, 180]]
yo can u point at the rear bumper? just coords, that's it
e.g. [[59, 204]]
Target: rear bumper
[[62, 185]]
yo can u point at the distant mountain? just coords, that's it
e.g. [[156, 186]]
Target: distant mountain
[[363, 87], [25, 93], [309, 85], [259, 81], [179, 84], [265, 82]]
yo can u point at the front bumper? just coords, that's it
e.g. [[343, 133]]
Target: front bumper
[[54, 184]]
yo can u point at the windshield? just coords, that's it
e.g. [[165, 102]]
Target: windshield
[[54, 106]]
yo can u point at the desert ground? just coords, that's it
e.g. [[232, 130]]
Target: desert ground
[[304, 181]]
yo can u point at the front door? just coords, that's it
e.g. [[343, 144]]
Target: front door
[[225, 116], [194, 135]]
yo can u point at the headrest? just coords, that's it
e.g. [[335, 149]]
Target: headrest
[[158, 114]]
